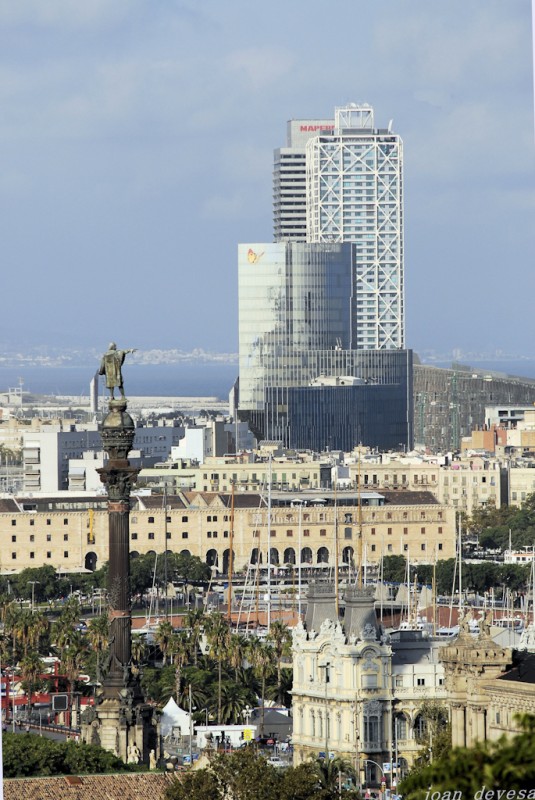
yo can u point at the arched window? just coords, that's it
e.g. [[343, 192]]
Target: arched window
[[91, 561], [289, 555]]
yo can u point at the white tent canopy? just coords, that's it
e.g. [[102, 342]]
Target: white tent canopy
[[174, 719]]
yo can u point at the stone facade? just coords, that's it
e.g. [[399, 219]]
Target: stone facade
[[70, 532], [357, 692]]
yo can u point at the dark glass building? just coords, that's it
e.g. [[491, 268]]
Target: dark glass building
[[375, 409]]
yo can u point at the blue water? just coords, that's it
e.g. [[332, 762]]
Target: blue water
[[186, 379], [160, 380]]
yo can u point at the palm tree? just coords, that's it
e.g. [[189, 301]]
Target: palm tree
[[139, 650], [18, 623], [38, 626], [72, 660], [234, 698], [163, 638], [179, 650], [236, 652], [330, 772], [31, 668], [98, 632], [261, 657], [194, 621], [281, 640], [218, 633]]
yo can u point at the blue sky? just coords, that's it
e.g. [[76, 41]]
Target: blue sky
[[136, 150]]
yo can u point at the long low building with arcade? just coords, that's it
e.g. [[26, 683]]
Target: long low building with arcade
[[70, 532]]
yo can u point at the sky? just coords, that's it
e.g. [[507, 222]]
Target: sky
[[136, 152]]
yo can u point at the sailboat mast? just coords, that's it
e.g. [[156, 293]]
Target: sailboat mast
[[459, 546], [269, 544], [336, 586], [359, 532], [231, 555]]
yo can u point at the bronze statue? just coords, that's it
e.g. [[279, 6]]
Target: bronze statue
[[110, 366]]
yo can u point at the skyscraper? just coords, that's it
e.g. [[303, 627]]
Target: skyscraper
[[289, 179], [342, 181], [330, 288]]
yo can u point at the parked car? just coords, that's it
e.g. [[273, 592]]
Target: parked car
[[276, 761]]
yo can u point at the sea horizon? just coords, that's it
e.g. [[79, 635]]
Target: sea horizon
[[184, 379], [181, 379]]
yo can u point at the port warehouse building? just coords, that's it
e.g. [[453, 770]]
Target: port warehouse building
[[70, 532]]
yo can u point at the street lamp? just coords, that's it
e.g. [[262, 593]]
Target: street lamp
[[369, 761], [33, 592]]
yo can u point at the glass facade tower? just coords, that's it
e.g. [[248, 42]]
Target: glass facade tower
[[321, 314], [297, 360]]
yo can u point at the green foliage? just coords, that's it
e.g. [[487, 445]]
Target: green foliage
[[395, 569], [492, 525], [435, 739], [201, 784], [179, 567], [506, 764], [245, 775], [27, 754], [43, 581]]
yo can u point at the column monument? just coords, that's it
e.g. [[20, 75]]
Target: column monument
[[120, 721]]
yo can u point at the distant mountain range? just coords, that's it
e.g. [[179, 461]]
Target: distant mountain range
[[55, 357]]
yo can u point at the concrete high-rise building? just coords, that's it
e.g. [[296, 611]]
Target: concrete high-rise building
[[339, 182], [289, 179]]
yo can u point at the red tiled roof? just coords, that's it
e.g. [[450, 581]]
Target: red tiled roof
[[126, 786]]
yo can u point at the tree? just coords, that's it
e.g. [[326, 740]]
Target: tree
[[163, 638], [194, 622], [434, 735], [201, 784], [98, 631], [72, 659], [31, 668], [395, 569], [505, 764], [218, 634], [261, 657], [139, 651], [29, 755], [245, 775], [281, 640], [331, 774], [179, 651], [234, 698], [42, 582]]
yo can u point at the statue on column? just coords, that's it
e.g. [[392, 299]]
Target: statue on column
[[110, 366]]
